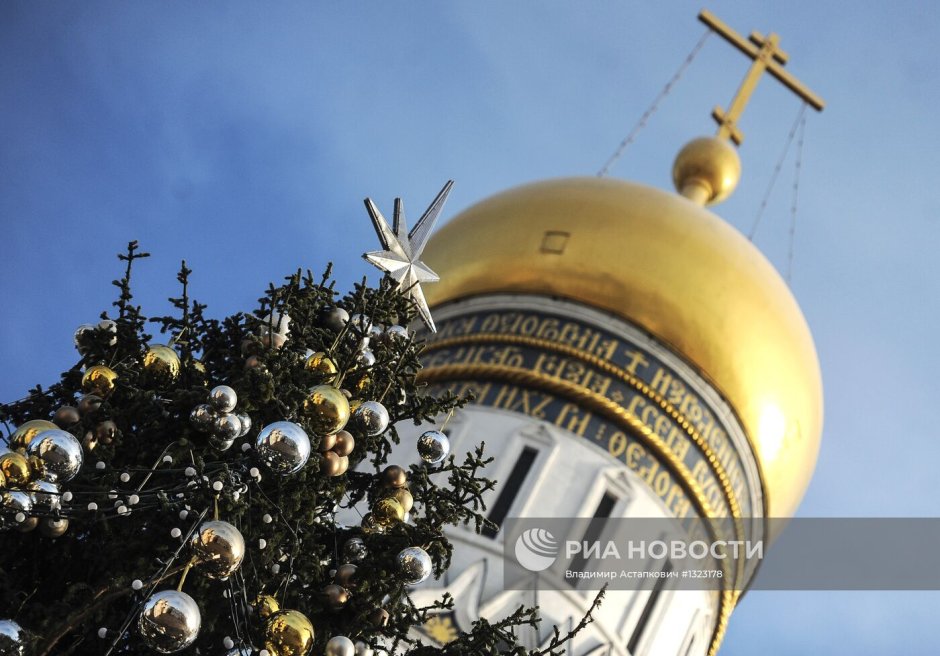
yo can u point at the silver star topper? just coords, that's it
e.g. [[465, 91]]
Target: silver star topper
[[400, 257]]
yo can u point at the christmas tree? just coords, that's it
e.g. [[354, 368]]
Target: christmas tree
[[181, 493]]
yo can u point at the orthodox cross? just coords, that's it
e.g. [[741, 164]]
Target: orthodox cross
[[767, 56]]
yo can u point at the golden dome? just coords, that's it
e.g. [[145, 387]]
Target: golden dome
[[672, 268]]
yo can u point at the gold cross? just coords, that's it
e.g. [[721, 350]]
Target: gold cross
[[767, 56]]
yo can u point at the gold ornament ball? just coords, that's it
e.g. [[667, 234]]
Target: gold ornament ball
[[66, 416], [288, 633], [379, 617], [15, 468], [23, 435], [106, 431], [322, 364], [388, 512], [336, 596], [99, 380], [327, 409], [266, 605], [369, 524], [343, 465], [3, 481], [327, 442], [403, 496], [53, 528], [28, 525], [344, 444], [331, 464], [344, 575], [90, 442], [161, 364], [89, 404], [394, 476]]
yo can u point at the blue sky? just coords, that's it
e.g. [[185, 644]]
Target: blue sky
[[243, 136]]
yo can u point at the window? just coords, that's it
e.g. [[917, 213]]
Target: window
[[648, 608], [594, 530], [507, 495]]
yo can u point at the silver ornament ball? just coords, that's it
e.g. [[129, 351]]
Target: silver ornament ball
[[13, 639], [340, 646], [220, 443], [354, 550], [371, 417], [414, 564], [433, 446], [169, 621], [223, 398], [60, 452], [246, 424], [86, 329], [13, 503], [365, 359], [220, 548], [46, 497], [203, 417], [228, 427], [335, 319], [283, 446]]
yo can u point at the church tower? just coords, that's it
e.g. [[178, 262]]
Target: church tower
[[631, 355]]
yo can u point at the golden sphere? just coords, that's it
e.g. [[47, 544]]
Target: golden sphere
[[331, 464], [678, 272], [322, 364], [394, 476], [99, 380], [3, 481], [344, 443], [336, 596], [28, 525], [327, 409], [707, 167], [369, 524], [266, 605], [327, 442], [403, 496], [66, 416], [23, 435], [388, 512], [288, 633], [15, 469], [161, 364], [345, 574], [53, 528]]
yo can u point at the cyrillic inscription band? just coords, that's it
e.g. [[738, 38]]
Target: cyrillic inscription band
[[631, 376]]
